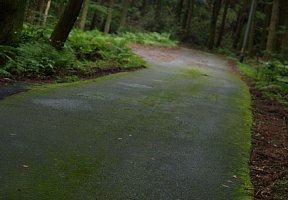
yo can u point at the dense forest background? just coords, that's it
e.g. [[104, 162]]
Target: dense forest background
[[33, 27], [211, 23]]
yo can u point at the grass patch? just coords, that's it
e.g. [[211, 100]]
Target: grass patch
[[194, 73], [248, 70]]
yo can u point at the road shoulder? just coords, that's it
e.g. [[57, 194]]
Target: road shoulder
[[269, 156]]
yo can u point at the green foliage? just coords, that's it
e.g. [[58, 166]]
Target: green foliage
[[68, 79], [274, 71], [100, 8], [153, 38], [271, 78], [6, 52], [249, 70], [281, 189], [4, 73], [200, 21], [153, 21], [98, 47], [34, 33], [40, 59], [227, 52], [85, 53], [268, 55]]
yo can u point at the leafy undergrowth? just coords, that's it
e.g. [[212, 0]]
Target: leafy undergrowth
[[86, 54], [281, 189], [149, 39], [269, 74], [271, 78]]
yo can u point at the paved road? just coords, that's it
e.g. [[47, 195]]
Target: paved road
[[177, 130]]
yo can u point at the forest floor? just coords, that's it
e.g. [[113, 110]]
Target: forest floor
[[269, 158], [179, 129]]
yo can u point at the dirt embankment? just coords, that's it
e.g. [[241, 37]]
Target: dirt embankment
[[269, 158]]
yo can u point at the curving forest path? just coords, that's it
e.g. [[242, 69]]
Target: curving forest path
[[177, 130]]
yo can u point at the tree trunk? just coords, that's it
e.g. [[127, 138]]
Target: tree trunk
[[109, 17], [12, 17], [222, 27], [83, 15], [179, 10], [124, 14], [66, 23], [239, 14], [252, 32], [267, 13], [30, 14], [158, 10], [186, 13], [213, 23], [241, 22], [46, 13], [189, 17], [95, 17], [270, 46], [143, 7], [284, 44], [41, 10], [60, 9], [33, 7]]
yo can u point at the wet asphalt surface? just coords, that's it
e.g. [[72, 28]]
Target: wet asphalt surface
[[177, 130], [8, 90]]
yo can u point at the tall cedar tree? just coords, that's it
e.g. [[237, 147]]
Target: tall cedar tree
[[179, 9], [11, 19], [48, 6], [222, 27], [66, 23], [95, 16], [251, 47], [270, 46], [143, 7], [242, 19], [284, 44], [109, 17], [31, 15], [189, 17], [124, 13], [158, 10], [213, 23], [83, 16]]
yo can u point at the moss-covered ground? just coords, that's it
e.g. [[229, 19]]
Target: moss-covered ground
[[173, 131]]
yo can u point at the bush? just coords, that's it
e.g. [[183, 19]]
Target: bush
[[4, 73], [273, 71], [34, 33], [226, 51], [40, 59], [84, 53], [6, 53], [271, 78], [95, 46], [154, 38]]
